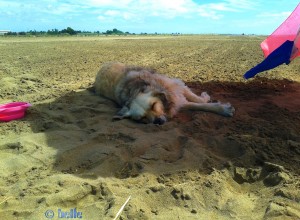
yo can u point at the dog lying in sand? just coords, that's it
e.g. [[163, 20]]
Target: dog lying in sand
[[149, 97]]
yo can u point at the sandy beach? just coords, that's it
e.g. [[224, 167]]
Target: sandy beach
[[68, 158]]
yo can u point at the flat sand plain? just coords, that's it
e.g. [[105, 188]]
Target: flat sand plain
[[68, 154]]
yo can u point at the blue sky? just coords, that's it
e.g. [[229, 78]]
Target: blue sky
[[150, 16]]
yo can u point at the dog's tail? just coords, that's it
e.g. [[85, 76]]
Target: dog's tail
[[218, 108]]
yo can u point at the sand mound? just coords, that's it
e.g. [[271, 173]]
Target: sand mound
[[197, 165]]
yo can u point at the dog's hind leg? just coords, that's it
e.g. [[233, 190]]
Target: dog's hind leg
[[218, 108], [192, 97]]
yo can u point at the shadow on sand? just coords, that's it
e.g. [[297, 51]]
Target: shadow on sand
[[266, 127]]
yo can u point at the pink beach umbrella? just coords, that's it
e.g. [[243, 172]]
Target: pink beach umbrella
[[282, 46]]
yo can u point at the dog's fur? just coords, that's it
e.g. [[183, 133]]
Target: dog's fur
[[149, 97]]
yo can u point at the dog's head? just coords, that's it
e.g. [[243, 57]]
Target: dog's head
[[146, 107]]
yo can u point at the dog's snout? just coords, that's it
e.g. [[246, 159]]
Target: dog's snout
[[159, 121]]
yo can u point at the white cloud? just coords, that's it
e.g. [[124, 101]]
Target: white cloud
[[136, 10], [209, 14], [60, 9], [102, 18], [8, 4], [219, 7], [37, 8], [129, 16], [139, 10], [109, 15], [105, 3], [143, 13], [214, 10], [241, 4], [280, 15], [112, 13], [176, 8]]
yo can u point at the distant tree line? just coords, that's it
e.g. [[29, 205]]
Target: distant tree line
[[67, 31], [70, 31]]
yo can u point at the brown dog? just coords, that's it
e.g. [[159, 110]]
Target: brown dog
[[149, 97]]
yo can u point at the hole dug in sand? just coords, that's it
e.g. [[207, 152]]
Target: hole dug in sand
[[198, 165]]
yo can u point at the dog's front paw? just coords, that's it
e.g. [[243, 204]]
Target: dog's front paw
[[228, 110], [205, 97]]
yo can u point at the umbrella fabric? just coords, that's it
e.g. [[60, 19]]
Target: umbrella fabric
[[282, 46], [279, 56], [288, 30]]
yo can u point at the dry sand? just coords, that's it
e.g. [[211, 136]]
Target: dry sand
[[67, 153]]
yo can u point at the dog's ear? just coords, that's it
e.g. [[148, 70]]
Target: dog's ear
[[123, 113], [164, 98], [144, 86], [136, 86]]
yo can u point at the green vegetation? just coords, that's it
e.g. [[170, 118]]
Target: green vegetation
[[68, 31], [71, 32]]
